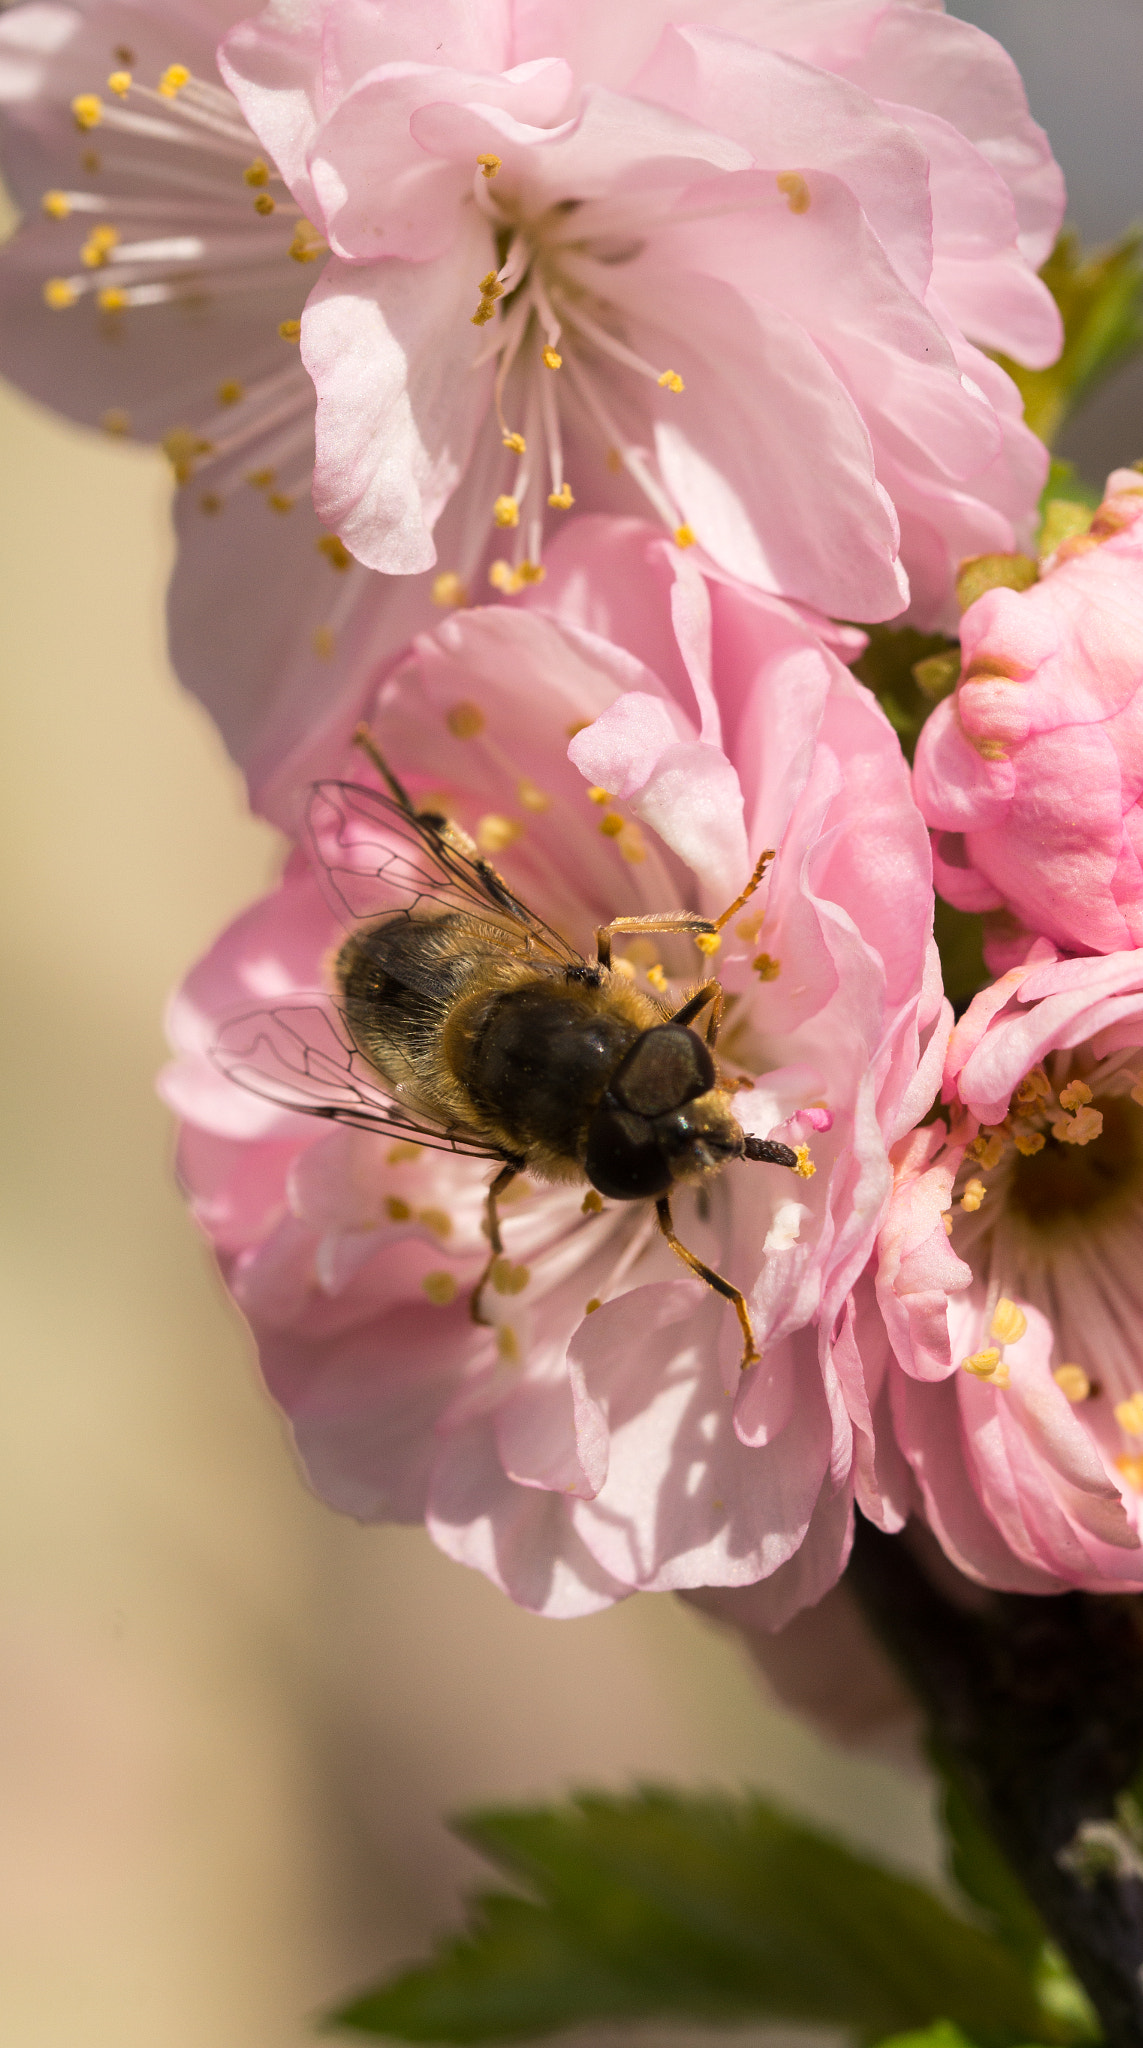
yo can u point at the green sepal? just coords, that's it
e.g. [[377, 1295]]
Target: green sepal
[[1100, 297]]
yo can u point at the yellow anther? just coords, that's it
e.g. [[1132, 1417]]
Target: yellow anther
[[87, 110], [91, 162], [671, 381], [598, 795], [766, 967], [490, 286], [265, 203], [561, 500], [119, 83], [260, 479], [116, 422], [484, 312], [1008, 1322], [684, 537], [515, 442], [507, 1278], [796, 190], [1132, 1470], [988, 1148], [532, 796], [529, 572], [173, 80], [805, 1168], [1129, 1415], [611, 826], [399, 1155], [707, 942], [506, 512], [182, 447], [290, 330], [508, 1344], [465, 721], [447, 589], [623, 967], [1075, 1095], [1029, 1142], [986, 1365], [231, 392], [323, 640], [1079, 1129], [991, 750], [592, 1203], [590, 1307], [489, 163], [111, 299], [335, 552], [440, 1288], [1073, 1381], [58, 294], [396, 1210], [502, 577], [657, 978], [98, 247], [973, 1196], [307, 244], [280, 501], [494, 832], [437, 1220], [551, 357], [57, 204], [947, 1221], [257, 173], [1035, 1087], [210, 503]]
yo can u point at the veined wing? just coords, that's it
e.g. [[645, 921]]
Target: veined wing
[[378, 859], [301, 1057]]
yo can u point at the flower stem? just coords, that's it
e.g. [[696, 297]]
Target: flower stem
[[1039, 1703]]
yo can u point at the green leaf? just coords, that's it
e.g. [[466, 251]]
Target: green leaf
[[907, 672], [1100, 297], [706, 1909], [960, 942], [942, 2035]]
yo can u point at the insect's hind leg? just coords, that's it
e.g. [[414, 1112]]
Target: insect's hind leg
[[750, 1352], [503, 1181]]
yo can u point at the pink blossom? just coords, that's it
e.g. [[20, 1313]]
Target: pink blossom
[[602, 1436], [1031, 774], [746, 257], [1009, 1350]]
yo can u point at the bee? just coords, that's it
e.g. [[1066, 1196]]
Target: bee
[[463, 1022]]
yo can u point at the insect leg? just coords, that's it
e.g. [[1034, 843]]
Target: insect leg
[[760, 867], [750, 1352], [659, 921], [364, 739], [710, 992], [503, 1181]]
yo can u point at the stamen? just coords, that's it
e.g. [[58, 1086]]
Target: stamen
[[119, 83], [440, 1288], [796, 190], [111, 299], [1008, 1322], [59, 294], [257, 173], [397, 1210], [98, 246], [265, 204], [532, 797], [551, 358], [448, 589], [506, 511], [707, 942], [308, 243], [173, 80], [987, 1365], [437, 1220], [515, 443], [592, 1203], [973, 1196], [465, 721], [805, 1168], [1073, 1381], [507, 1278], [590, 1307], [87, 110], [561, 500], [489, 163], [684, 537], [290, 330], [766, 968], [335, 552], [1129, 1415], [1132, 1470], [494, 832], [671, 381], [231, 392], [507, 1344], [57, 204], [657, 978]]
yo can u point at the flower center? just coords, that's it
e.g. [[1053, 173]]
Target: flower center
[[557, 338], [1068, 1183]]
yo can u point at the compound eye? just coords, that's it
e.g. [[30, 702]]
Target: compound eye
[[667, 1066], [623, 1159]]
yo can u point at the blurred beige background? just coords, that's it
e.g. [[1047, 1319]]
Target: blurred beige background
[[230, 1724]]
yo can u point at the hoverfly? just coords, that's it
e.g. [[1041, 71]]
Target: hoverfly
[[463, 1022]]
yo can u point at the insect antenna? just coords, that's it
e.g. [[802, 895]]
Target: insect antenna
[[771, 1153]]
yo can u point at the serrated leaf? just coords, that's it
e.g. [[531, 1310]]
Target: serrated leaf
[[697, 1909], [1100, 297]]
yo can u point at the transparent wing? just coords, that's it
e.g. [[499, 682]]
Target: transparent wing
[[378, 859], [300, 1056]]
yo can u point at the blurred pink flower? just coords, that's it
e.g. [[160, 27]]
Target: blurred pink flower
[[1032, 773], [579, 1451], [1014, 1366], [732, 259]]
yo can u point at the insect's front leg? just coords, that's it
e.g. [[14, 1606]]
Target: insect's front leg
[[658, 921], [711, 992], [500, 1185]]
